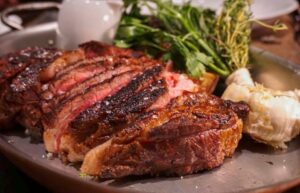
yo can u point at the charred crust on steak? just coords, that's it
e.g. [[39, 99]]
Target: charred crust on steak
[[240, 108], [180, 141], [14, 63], [118, 110], [113, 121], [92, 114], [21, 70], [51, 116]]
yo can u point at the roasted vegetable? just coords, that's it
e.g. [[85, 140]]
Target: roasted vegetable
[[274, 118]]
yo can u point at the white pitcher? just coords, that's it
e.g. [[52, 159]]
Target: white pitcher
[[84, 20]]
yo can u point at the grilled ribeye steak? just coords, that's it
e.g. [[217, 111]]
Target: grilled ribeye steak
[[105, 107], [19, 84], [85, 90], [196, 131], [77, 141], [74, 87], [13, 63], [24, 78], [119, 111]]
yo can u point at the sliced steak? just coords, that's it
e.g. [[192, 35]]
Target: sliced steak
[[108, 116], [66, 82], [22, 87], [14, 63], [133, 115], [71, 146], [56, 122], [194, 132], [67, 59], [104, 69], [65, 73], [91, 50], [91, 116]]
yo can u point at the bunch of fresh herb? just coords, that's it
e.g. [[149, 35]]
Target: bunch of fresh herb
[[194, 38], [233, 32]]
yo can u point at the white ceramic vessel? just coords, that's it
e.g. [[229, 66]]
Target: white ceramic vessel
[[84, 20]]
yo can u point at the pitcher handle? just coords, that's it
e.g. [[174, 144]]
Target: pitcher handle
[[25, 7]]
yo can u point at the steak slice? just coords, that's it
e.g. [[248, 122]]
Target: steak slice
[[71, 146], [194, 132], [65, 73], [56, 122], [67, 81], [81, 78], [106, 117], [69, 58], [91, 50], [14, 63], [22, 85], [92, 115], [53, 103]]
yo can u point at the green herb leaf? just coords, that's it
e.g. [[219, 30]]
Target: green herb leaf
[[194, 38]]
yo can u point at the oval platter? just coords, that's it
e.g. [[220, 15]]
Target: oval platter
[[253, 168]]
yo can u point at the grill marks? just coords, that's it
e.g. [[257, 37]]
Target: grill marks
[[136, 97], [82, 78], [59, 120], [82, 87], [20, 71], [61, 64], [139, 102], [94, 93], [78, 75], [190, 134], [107, 106], [14, 63], [119, 111], [76, 126]]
